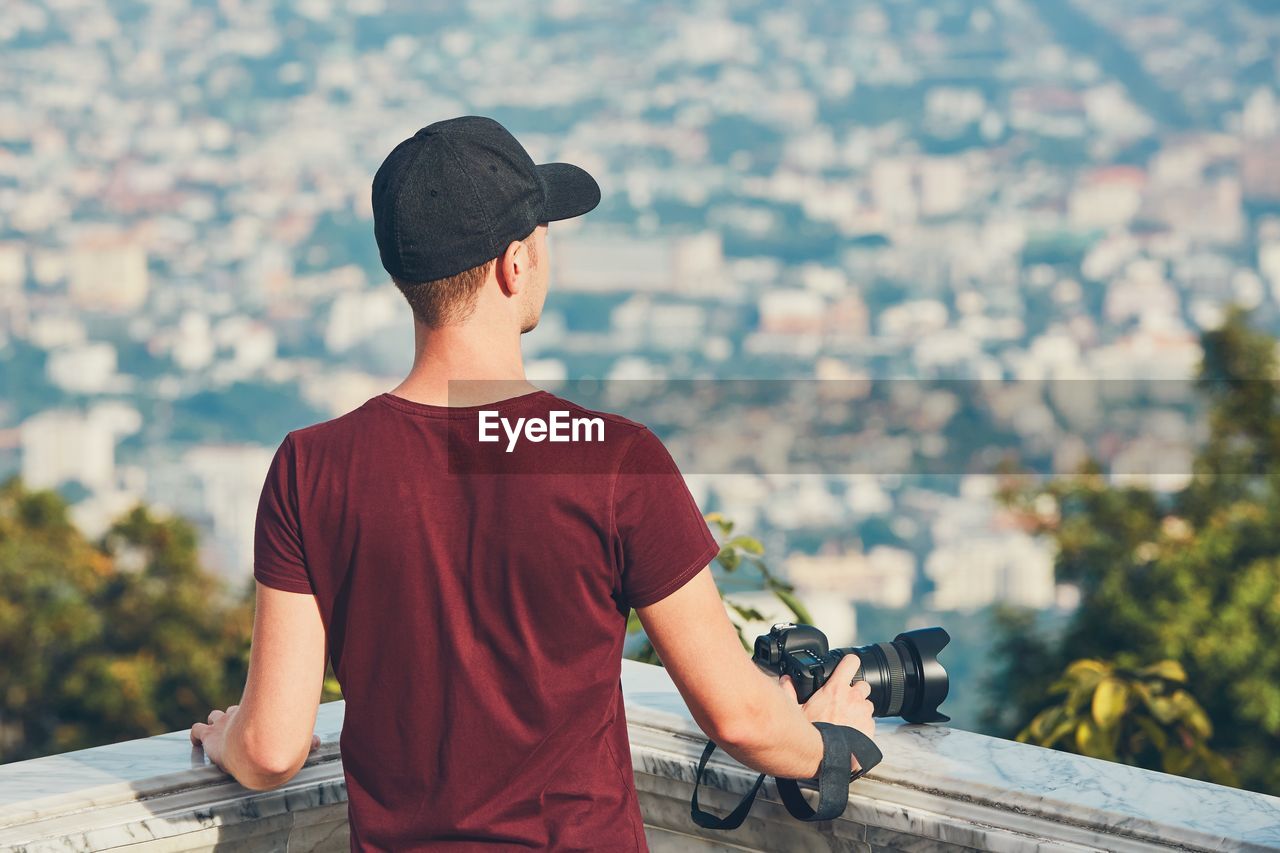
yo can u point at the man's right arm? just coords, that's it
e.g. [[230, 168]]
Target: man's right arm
[[746, 712]]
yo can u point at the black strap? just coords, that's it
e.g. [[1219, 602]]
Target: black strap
[[838, 744], [734, 819]]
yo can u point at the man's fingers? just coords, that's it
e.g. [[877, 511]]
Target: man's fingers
[[315, 742], [197, 733], [862, 689], [847, 668], [785, 682], [214, 715]]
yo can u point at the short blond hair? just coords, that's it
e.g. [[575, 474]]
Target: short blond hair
[[452, 299]]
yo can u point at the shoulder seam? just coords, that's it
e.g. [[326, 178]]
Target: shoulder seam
[[613, 492], [621, 420], [294, 494], [333, 420]]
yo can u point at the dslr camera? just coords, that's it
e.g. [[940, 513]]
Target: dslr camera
[[905, 677]]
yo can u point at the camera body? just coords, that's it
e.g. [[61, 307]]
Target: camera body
[[799, 651], [905, 676]]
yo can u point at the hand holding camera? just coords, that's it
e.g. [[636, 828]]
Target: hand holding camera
[[841, 692], [904, 675], [844, 700]]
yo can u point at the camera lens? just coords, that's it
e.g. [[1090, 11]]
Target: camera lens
[[905, 677]]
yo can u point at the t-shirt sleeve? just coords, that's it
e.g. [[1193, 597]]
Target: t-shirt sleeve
[[277, 540], [662, 540]]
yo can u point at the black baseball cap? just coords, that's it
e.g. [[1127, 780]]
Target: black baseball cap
[[458, 191]]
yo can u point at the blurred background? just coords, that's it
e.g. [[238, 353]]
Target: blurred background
[[1012, 191]]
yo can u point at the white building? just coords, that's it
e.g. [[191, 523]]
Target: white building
[[60, 445], [1269, 264], [894, 190], [94, 515], [339, 391], [641, 322], [913, 319], [355, 316], [944, 185], [49, 330], [834, 616], [1107, 198], [1142, 290], [883, 576], [191, 344], [689, 265], [229, 481], [13, 268], [87, 368], [252, 342], [108, 274], [1010, 567], [792, 312]]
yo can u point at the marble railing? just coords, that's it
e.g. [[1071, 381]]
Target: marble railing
[[937, 789]]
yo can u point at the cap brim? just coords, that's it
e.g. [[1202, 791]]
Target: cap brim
[[570, 190]]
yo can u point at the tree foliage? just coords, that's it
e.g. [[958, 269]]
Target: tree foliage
[[1190, 580], [101, 642], [1143, 716]]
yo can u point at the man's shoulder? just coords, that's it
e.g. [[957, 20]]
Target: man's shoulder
[[627, 427], [631, 447], [346, 424]]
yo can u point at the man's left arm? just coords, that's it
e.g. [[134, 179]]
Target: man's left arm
[[264, 741]]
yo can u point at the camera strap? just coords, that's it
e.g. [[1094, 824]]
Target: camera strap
[[839, 743], [734, 819]]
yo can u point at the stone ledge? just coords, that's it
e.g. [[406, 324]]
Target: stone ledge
[[937, 789]]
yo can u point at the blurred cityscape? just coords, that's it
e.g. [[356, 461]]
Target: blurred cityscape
[[977, 189]]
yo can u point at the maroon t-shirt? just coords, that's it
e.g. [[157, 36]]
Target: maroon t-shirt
[[475, 596]]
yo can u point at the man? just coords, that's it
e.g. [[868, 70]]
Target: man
[[473, 595]]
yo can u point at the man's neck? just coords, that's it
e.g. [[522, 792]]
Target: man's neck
[[464, 365]]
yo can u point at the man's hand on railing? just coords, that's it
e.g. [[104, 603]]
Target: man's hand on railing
[[211, 735]]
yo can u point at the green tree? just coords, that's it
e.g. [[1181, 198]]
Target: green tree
[[1022, 655], [1192, 579], [106, 641], [736, 552], [1144, 717]]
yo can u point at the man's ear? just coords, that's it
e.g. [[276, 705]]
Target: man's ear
[[511, 268]]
